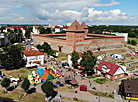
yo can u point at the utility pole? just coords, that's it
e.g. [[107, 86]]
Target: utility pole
[[100, 93], [19, 87]]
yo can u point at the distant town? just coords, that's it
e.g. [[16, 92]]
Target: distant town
[[68, 63]]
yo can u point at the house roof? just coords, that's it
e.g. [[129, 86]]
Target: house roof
[[65, 27], [84, 25], [32, 52], [17, 27], [57, 26], [131, 86], [113, 67], [75, 26], [80, 54]]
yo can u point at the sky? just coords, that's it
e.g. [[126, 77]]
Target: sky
[[93, 12]]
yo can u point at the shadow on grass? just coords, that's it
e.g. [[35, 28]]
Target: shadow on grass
[[2, 99], [32, 90], [12, 88]]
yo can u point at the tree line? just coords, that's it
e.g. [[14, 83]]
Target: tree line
[[131, 30]]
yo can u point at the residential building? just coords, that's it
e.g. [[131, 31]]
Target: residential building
[[60, 28], [17, 27], [129, 89], [111, 71], [33, 57], [35, 30], [4, 38], [118, 34]]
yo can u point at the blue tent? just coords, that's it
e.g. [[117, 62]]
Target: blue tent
[[67, 81], [117, 56], [61, 85], [55, 86]]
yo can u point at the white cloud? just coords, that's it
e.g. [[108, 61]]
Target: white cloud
[[62, 12]]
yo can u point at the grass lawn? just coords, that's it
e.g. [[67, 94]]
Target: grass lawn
[[22, 71], [135, 47], [34, 97], [103, 94], [62, 56], [71, 99], [133, 39], [111, 51]]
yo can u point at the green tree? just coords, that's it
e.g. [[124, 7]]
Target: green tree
[[47, 88], [88, 61], [19, 31], [8, 30], [28, 32], [128, 41], [75, 57], [15, 30], [5, 83], [12, 52], [51, 52], [133, 42], [46, 47], [25, 85], [12, 39], [39, 46], [2, 29], [19, 37], [43, 30]]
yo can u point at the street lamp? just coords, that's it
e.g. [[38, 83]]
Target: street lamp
[[100, 93], [19, 88]]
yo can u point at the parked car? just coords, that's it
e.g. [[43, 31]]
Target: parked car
[[94, 88]]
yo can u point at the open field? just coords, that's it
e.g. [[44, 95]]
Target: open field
[[23, 72], [133, 39], [111, 51], [33, 97], [132, 46]]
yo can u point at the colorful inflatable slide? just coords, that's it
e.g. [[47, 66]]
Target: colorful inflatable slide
[[34, 78], [51, 73]]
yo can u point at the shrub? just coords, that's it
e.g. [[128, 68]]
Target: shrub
[[111, 96], [100, 81], [96, 93], [128, 41], [133, 42], [91, 77]]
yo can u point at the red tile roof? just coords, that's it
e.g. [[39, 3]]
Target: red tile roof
[[75, 26], [65, 27], [57, 26], [31, 52], [84, 25], [113, 67], [17, 27]]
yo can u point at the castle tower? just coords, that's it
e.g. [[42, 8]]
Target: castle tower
[[75, 33], [84, 26]]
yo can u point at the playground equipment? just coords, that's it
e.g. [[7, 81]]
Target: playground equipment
[[41, 69], [51, 73], [34, 78]]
